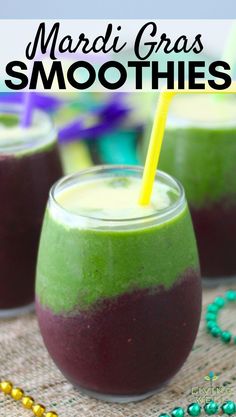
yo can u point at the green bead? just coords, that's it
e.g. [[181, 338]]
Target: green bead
[[212, 308], [210, 317], [229, 408], [211, 408], [235, 340], [219, 301], [177, 412], [231, 295], [194, 409], [211, 324], [226, 336], [164, 415], [215, 331]]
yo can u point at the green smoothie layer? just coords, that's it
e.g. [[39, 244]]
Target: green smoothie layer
[[8, 120], [200, 149], [79, 266]]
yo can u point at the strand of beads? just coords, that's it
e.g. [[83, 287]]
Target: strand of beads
[[210, 408], [193, 409], [28, 402], [212, 314]]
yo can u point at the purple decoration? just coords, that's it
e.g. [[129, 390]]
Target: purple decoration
[[47, 102], [108, 116], [27, 110], [41, 101]]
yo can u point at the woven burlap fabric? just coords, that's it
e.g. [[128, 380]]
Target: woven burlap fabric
[[24, 361]]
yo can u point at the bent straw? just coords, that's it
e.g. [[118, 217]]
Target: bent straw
[[31, 101], [27, 111], [157, 135]]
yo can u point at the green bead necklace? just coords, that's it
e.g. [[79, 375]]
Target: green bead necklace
[[211, 408], [212, 313]]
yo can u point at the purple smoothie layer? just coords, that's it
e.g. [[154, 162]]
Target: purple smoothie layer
[[25, 183], [215, 229], [128, 345]]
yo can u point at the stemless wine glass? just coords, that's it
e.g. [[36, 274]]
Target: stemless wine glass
[[118, 299], [29, 165], [200, 150]]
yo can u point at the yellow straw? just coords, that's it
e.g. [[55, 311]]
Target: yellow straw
[[154, 148], [157, 135]]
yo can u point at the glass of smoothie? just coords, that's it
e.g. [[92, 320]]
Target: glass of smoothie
[[118, 290], [29, 165], [200, 150]]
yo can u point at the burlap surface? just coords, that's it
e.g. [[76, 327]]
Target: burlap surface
[[24, 360]]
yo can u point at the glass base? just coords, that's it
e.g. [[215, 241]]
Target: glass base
[[15, 312], [113, 398], [216, 282]]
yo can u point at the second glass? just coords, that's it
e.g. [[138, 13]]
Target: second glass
[[29, 165], [200, 150]]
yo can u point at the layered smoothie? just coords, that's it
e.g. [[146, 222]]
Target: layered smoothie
[[118, 287], [199, 149], [29, 165]]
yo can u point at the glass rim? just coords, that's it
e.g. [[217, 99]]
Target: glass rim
[[158, 214], [27, 140]]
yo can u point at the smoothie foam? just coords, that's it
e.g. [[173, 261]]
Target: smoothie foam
[[17, 141], [114, 198]]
